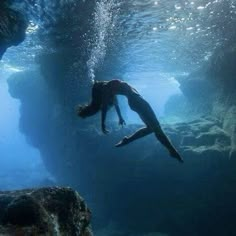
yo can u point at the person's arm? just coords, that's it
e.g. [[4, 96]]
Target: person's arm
[[121, 120]]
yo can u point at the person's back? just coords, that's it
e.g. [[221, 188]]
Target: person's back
[[118, 87]]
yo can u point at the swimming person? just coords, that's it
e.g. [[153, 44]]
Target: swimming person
[[104, 96]]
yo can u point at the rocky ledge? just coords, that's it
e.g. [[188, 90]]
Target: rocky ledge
[[12, 27], [44, 211]]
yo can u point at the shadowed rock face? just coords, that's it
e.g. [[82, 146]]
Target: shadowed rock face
[[139, 181], [45, 211], [12, 27], [213, 86], [211, 90]]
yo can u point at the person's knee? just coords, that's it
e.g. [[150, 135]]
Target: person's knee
[[149, 129]]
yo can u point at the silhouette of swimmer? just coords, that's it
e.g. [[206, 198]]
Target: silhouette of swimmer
[[104, 96]]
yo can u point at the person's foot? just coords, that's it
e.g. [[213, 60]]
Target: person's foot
[[123, 142], [176, 155]]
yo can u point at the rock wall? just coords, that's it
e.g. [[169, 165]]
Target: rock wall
[[12, 27], [211, 90], [139, 186], [45, 211]]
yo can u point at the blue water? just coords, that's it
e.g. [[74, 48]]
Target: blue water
[[21, 164], [153, 45]]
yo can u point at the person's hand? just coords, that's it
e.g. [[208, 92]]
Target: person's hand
[[78, 109], [122, 122], [104, 130]]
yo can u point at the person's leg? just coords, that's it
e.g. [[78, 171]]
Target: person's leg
[[148, 116], [138, 134], [163, 139]]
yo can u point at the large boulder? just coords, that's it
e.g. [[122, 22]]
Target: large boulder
[[45, 211], [12, 27]]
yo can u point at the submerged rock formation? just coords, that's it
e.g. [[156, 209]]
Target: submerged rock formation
[[12, 27], [45, 211], [138, 186], [139, 181], [211, 90]]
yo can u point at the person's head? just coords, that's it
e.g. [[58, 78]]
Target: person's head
[[84, 111], [95, 105]]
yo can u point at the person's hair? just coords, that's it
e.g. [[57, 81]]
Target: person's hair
[[95, 105]]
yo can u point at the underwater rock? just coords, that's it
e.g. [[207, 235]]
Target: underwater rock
[[213, 85], [210, 87], [198, 97], [44, 211], [139, 181], [12, 28], [221, 69], [229, 124], [139, 186]]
